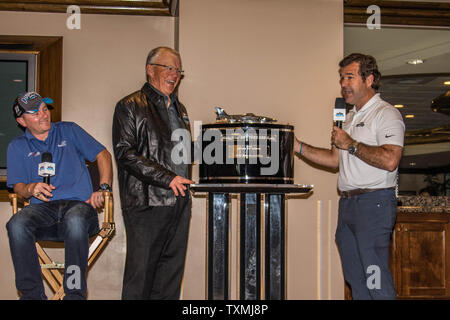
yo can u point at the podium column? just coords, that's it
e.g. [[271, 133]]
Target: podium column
[[275, 253], [255, 251], [218, 246], [250, 247]]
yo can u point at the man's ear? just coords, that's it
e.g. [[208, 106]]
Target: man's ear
[[150, 71], [369, 81], [21, 122]]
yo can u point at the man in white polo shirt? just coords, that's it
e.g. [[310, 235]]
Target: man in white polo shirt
[[367, 151]]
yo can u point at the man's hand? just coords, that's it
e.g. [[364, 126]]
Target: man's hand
[[96, 200], [297, 144], [178, 185], [41, 191], [341, 139], [386, 156]]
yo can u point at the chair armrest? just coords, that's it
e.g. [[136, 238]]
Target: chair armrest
[[109, 207], [17, 201]]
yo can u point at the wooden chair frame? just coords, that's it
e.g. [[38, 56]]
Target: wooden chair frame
[[51, 269]]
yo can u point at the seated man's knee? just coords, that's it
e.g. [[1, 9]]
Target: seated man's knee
[[78, 219], [19, 225]]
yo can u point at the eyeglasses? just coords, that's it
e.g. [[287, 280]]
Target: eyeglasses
[[168, 68]]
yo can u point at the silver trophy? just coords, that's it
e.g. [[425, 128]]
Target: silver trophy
[[223, 117]]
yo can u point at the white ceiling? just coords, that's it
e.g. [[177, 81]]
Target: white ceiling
[[393, 47]]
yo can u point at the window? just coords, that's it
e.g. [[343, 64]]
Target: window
[[17, 75], [27, 63]]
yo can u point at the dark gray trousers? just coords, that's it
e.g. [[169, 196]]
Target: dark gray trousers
[[156, 251], [365, 225]]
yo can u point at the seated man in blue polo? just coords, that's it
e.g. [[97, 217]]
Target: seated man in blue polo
[[62, 209]]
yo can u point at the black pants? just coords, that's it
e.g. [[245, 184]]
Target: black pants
[[156, 250]]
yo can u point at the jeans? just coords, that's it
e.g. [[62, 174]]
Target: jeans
[[70, 221], [365, 224]]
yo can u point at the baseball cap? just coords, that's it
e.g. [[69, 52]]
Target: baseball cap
[[29, 102]]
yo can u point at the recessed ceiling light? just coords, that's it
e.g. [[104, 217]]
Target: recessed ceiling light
[[447, 83], [399, 106], [409, 116], [415, 61]]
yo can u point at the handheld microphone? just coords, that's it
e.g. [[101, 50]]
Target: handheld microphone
[[339, 112], [46, 167]]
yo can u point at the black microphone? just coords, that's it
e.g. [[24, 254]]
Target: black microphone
[[339, 112], [46, 167]]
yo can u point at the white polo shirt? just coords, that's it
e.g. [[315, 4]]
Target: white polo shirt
[[375, 124]]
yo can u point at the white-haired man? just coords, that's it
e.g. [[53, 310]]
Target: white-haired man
[[155, 204]]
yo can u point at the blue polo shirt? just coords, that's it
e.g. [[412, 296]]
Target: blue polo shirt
[[70, 147]]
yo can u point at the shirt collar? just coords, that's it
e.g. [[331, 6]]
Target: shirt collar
[[368, 104], [30, 136], [173, 96]]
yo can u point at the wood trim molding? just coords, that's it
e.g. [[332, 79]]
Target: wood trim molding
[[122, 7], [435, 14], [49, 68], [409, 13]]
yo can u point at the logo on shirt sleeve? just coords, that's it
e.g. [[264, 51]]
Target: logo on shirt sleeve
[[34, 154]]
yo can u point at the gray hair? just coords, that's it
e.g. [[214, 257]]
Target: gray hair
[[154, 54]]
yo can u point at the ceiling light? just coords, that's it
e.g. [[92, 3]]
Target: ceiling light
[[409, 116], [415, 61], [399, 106], [412, 164], [447, 83], [17, 80]]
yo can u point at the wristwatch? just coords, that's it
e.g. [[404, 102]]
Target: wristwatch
[[105, 187], [353, 148]]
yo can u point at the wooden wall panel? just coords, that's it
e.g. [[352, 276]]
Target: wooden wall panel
[[132, 7], [399, 12]]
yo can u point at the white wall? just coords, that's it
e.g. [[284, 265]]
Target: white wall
[[276, 58]]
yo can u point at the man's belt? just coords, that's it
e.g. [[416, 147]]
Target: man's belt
[[355, 192]]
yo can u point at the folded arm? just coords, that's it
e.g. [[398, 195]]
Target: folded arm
[[386, 156]]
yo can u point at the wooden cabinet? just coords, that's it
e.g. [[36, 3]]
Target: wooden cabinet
[[420, 256]]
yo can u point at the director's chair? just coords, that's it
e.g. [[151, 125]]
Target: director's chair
[[53, 271]]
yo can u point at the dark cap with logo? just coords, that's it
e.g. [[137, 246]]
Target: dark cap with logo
[[29, 102]]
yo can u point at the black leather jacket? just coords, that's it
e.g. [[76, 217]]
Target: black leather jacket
[[142, 148]]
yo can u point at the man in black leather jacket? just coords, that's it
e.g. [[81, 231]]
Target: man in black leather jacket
[[155, 202]]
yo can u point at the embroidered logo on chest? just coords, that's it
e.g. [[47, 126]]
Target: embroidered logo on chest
[[62, 144]]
